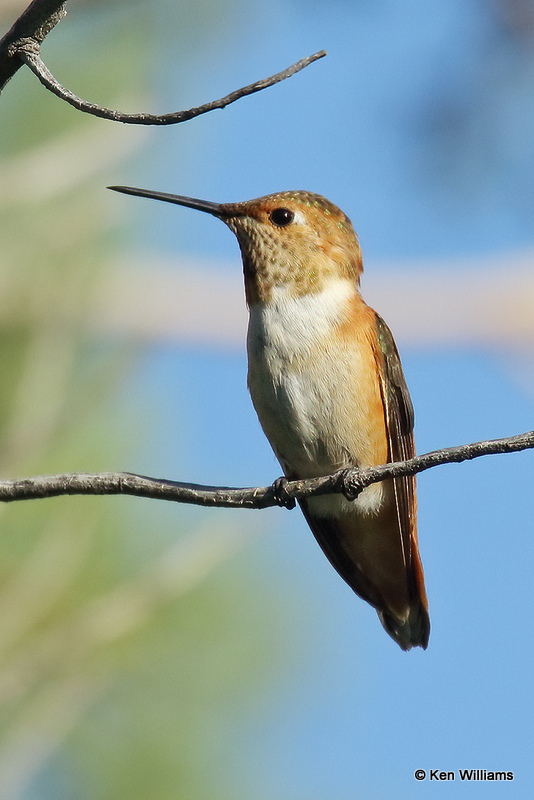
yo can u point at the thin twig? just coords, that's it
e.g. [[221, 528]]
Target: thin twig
[[29, 54], [349, 482]]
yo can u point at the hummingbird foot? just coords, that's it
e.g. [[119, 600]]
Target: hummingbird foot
[[281, 495], [348, 483]]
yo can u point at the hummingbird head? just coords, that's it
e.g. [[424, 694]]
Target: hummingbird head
[[295, 239]]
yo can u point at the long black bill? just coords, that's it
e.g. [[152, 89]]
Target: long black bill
[[201, 205]]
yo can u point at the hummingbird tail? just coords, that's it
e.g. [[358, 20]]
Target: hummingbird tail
[[348, 541], [412, 632]]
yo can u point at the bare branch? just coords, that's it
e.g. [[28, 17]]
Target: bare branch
[[22, 44], [349, 482], [33, 24], [29, 55]]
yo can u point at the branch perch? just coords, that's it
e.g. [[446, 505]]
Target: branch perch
[[349, 482]]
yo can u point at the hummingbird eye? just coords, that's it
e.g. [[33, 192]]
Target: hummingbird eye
[[281, 217]]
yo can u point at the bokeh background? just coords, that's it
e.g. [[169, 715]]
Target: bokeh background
[[154, 650]]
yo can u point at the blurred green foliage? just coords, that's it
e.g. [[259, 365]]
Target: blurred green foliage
[[122, 664]]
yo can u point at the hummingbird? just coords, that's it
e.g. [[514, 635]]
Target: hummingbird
[[326, 380]]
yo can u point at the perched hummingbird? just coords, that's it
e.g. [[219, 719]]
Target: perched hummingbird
[[327, 384]]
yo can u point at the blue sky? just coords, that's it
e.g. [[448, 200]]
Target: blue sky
[[419, 124]]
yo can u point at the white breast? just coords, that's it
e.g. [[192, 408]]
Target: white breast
[[288, 326], [295, 364]]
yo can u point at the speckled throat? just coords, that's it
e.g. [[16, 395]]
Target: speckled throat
[[320, 244]]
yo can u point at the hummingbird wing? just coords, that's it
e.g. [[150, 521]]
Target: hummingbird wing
[[377, 553], [399, 415]]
